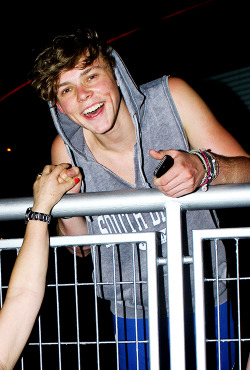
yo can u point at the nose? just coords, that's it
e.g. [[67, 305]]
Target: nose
[[83, 93]]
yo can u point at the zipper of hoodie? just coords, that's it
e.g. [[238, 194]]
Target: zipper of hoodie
[[138, 142]]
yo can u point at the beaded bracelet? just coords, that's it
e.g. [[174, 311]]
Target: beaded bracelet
[[210, 164], [214, 165]]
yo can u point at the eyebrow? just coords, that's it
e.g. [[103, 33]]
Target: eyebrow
[[84, 72]]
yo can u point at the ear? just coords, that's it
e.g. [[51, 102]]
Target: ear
[[59, 107]]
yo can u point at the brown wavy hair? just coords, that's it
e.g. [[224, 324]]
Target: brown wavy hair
[[62, 56]]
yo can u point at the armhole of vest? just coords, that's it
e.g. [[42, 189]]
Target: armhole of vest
[[71, 155], [74, 163], [174, 110]]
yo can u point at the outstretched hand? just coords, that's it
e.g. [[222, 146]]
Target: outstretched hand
[[49, 186], [183, 177]]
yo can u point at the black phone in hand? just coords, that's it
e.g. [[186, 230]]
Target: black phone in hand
[[165, 164]]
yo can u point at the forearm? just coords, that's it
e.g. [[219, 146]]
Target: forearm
[[29, 272], [16, 322], [25, 293], [233, 170], [74, 226]]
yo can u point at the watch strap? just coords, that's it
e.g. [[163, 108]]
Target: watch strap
[[37, 216]]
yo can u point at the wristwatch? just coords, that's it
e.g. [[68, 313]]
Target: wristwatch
[[30, 215]]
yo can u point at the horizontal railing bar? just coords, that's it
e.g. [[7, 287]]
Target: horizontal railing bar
[[225, 233], [71, 240], [146, 200], [86, 343]]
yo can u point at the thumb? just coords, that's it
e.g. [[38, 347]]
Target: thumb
[[157, 154]]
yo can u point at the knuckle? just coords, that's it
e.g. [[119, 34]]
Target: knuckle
[[47, 167]]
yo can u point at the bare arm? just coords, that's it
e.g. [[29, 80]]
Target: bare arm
[[203, 131], [27, 282], [74, 225]]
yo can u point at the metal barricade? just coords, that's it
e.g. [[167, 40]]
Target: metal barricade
[[228, 196]]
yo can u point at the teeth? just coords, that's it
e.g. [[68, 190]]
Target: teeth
[[93, 108]]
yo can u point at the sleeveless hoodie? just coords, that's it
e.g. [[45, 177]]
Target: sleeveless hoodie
[[158, 126]]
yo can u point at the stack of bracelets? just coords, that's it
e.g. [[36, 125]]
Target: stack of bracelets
[[211, 165]]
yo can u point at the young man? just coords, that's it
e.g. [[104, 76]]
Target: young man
[[117, 133], [27, 283]]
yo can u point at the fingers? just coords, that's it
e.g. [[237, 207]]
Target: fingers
[[68, 173], [50, 187], [47, 169], [57, 169], [68, 184], [63, 171], [183, 177], [58, 173], [176, 187]]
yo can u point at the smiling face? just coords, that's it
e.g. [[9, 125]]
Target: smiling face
[[90, 96]]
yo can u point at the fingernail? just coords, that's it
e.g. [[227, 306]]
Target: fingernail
[[77, 180]]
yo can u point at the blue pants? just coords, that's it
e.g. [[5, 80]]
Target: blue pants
[[127, 351]]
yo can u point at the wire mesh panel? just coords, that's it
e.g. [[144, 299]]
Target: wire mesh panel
[[75, 326], [237, 280]]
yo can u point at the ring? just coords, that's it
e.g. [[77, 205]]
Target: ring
[[39, 175]]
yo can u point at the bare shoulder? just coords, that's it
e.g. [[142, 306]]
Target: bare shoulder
[[58, 151], [58, 142], [180, 89], [176, 82], [201, 126]]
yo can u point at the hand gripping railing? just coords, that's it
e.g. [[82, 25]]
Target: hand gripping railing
[[220, 196]]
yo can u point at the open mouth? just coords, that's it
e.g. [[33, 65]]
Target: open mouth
[[94, 110]]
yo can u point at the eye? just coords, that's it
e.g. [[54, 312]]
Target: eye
[[65, 91], [91, 77]]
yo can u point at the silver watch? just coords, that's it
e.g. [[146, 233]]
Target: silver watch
[[31, 215]]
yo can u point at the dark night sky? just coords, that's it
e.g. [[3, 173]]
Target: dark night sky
[[203, 41]]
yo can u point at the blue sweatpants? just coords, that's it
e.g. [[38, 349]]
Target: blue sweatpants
[[127, 351]]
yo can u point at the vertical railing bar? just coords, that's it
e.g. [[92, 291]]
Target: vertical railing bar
[[1, 281], [238, 300], [199, 302], [96, 307], [40, 342], [22, 363], [218, 302], [136, 326], [175, 286], [116, 317], [153, 324], [57, 310], [77, 312]]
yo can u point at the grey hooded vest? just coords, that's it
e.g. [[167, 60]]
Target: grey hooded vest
[[158, 126]]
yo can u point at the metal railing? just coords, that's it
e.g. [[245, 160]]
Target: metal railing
[[218, 197], [198, 237]]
